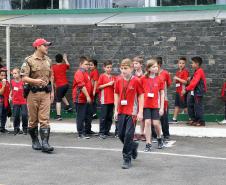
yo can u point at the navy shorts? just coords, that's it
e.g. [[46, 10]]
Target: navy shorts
[[181, 101], [151, 114], [61, 92]]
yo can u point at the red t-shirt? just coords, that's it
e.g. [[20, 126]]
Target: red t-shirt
[[81, 79], [165, 77], [223, 94], [184, 74], [17, 92], [59, 71], [94, 76], [107, 93], [198, 75], [5, 95], [151, 87], [128, 91]]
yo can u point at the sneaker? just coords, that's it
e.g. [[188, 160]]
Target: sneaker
[[17, 131], [142, 137], [92, 133], [95, 116], [166, 138], [222, 122], [58, 118], [68, 108], [24, 131], [126, 164], [134, 151], [147, 148], [102, 136], [82, 136], [160, 143], [173, 121], [200, 124], [154, 140], [3, 130]]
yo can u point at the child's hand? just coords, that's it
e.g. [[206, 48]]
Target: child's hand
[[183, 92], [4, 82], [111, 83], [161, 112], [65, 56], [88, 99], [175, 78], [116, 116], [140, 116]]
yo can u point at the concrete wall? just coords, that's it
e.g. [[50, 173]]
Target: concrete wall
[[169, 40]]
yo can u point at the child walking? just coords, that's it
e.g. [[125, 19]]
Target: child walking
[[4, 98], [128, 94], [196, 90], [106, 87], [19, 103], [153, 102]]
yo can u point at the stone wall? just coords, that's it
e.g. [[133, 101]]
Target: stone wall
[[169, 40]]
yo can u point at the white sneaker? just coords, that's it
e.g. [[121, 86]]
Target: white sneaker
[[222, 122]]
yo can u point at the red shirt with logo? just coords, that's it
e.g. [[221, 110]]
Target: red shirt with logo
[[151, 87], [59, 71], [5, 97], [198, 75], [17, 92], [128, 91], [106, 94], [183, 74], [81, 79]]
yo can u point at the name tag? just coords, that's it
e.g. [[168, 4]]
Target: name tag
[[124, 102], [151, 95], [192, 93], [16, 89], [177, 84]]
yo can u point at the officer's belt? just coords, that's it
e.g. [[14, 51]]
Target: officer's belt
[[35, 89]]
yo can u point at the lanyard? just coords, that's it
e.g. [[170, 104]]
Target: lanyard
[[152, 83], [124, 89]]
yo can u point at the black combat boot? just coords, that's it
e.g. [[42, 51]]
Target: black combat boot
[[134, 151], [34, 137], [44, 133]]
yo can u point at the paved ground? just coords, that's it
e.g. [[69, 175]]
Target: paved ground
[[189, 161]]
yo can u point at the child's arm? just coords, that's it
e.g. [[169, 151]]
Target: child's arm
[[141, 107], [65, 59], [84, 90], [106, 85], [180, 80], [94, 88], [116, 101], [162, 99], [3, 87]]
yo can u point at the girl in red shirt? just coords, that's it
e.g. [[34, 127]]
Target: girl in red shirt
[[223, 96], [153, 102], [19, 103], [4, 98]]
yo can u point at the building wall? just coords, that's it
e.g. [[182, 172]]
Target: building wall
[[169, 40]]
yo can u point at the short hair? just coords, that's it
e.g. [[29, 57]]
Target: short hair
[[82, 59], [197, 60], [159, 60], [182, 58], [107, 62], [126, 62], [149, 64], [59, 58], [138, 59], [94, 61], [16, 69]]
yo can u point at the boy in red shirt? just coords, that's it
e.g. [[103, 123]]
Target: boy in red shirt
[[196, 90], [82, 92], [128, 94], [4, 98], [153, 95], [61, 83], [106, 87], [19, 103], [94, 75], [137, 64], [181, 80], [223, 96], [165, 77]]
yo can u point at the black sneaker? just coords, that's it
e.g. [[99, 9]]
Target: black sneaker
[[24, 131], [160, 143], [126, 164], [58, 118], [147, 148], [91, 133], [134, 152], [3, 130], [68, 109], [82, 136], [17, 131], [102, 136], [173, 121], [166, 138]]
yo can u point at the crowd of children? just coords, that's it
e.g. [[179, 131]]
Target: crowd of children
[[133, 97]]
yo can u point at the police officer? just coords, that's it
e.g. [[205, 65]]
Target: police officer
[[36, 71]]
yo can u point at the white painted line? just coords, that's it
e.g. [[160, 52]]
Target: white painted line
[[120, 150]]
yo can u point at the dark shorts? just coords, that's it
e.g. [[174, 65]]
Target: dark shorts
[[151, 114], [181, 101], [61, 91]]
